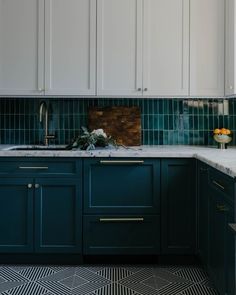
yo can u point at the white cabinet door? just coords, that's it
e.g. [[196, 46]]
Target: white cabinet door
[[70, 47], [207, 47], [119, 52], [166, 47], [230, 55], [21, 47]]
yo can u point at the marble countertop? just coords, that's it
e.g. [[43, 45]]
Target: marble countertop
[[223, 160]]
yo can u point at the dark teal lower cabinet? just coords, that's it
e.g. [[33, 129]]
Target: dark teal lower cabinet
[[16, 215], [58, 216], [203, 206], [221, 245], [122, 186], [178, 206], [121, 235]]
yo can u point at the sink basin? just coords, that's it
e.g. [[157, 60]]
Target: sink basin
[[37, 148]]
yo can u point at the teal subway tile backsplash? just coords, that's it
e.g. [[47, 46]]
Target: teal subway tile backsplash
[[164, 121]]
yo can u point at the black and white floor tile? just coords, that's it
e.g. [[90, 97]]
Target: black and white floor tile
[[104, 280]]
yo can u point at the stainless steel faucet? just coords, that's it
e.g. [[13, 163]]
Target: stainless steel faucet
[[43, 110]]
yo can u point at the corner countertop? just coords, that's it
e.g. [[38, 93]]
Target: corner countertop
[[222, 160]]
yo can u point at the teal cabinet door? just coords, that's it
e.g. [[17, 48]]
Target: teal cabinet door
[[121, 235], [230, 256], [178, 206], [203, 205], [58, 215], [221, 244], [16, 215], [121, 186]]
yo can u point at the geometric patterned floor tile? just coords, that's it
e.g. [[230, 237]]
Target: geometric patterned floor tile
[[35, 273], [174, 288], [9, 285], [10, 275], [194, 274], [73, 282], [156, 282], [140, 288], [114, 273], [28, 288], [114, 289], [104, 280], [198, 289]]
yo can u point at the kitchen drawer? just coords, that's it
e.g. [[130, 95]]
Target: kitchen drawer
[[121, 235], [39, 166], [221, 183], [121, 186]]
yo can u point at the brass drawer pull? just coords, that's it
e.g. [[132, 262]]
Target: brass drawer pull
[[121, 162], [222, 208], [139, 219], [217, 184], [38, 168]]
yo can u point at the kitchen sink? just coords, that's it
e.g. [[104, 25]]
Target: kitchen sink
[[37, 148]]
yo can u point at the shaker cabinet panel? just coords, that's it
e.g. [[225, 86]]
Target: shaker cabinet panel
[[178, 206], [16, 215], [21, 47], [58, 216], [119, 48], [70, 47], [166, 47], [119, 186], [230, 41], [121, 235], [207, 47]]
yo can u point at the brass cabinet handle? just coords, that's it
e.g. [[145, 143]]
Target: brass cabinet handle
[[218, 184], [27, 168], [121, 162], [131, 219], [222, 208]]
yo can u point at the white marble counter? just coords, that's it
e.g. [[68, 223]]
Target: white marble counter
[[223, 160]]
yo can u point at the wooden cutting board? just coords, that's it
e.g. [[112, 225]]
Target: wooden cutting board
[[122, 123]]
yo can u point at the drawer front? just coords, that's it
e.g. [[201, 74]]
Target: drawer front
[[120, 186], [40, 166], [121, 235], [221, 183]]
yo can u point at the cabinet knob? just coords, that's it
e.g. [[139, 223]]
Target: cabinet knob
[[230, 87], [139, 89], [145, 89], [41, 89], [37, 185], [30, 185]]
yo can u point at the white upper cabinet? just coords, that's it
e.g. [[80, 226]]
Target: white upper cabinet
[[119, 47], [207, 47], [166, 47], [70, 47], [21, 47], [230, 54], [143, 47]]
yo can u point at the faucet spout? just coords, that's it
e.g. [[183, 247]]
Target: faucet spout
[[43, 110]]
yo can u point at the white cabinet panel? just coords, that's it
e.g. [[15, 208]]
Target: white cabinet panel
[[166, 47], [70, 46], [230, 54], [21, 44], [207, 47], [119, 42]]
